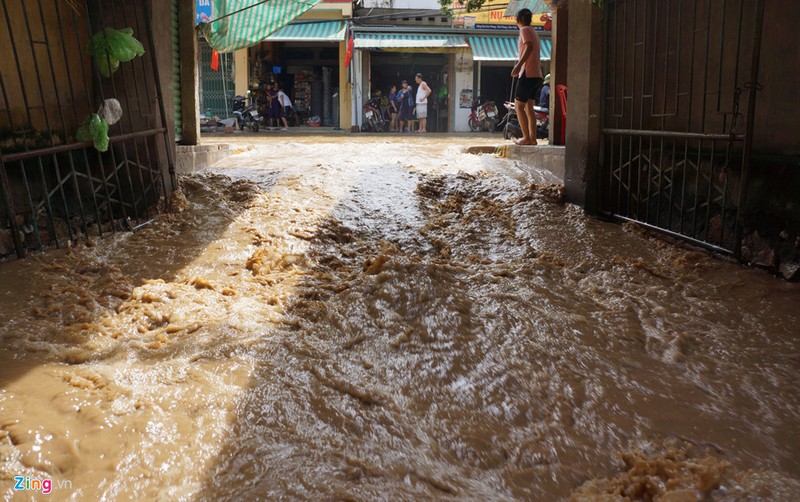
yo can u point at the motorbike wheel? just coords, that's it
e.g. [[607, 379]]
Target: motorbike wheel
[[491, 124], [255, 126], [373, 125], [241, 125], [474, 126]]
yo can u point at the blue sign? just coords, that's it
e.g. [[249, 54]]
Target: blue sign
[[203, 11]]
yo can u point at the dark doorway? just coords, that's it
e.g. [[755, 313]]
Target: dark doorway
[[391, 68]]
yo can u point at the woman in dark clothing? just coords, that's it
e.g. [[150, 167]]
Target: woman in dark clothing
[[273, 106], [406, 98]]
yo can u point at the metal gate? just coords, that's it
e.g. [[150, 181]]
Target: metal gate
[[680, 88], [217, 87], [54, 187]]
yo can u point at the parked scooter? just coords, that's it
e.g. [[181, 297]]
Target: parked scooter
[[542, 121], [373, 118], [247, 116], [483, 115], [510, 122]]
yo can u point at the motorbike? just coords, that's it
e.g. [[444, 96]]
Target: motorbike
[[373, 118], [483, 116], [510, 122], [542, 121], [247, 115]]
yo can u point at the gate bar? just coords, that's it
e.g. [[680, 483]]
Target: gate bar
[[11, 157], [682, 237], [5, 187], [747, 152], [674, 134]]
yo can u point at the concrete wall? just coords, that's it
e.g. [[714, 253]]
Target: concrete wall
[[240, 77], [345, 97], [464, 79], [190, 88]]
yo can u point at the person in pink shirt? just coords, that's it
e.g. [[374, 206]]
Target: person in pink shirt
[[529, 71]]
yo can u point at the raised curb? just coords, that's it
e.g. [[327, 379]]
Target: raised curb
[[196, 158], [551, 158]]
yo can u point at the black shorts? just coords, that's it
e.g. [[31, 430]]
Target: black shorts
[[528, 89], [405, 113]]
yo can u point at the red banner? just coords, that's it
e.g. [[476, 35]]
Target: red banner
[[349, 54]]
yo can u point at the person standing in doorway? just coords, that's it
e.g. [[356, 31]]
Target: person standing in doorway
[[394, 108], [423, 91], [529, 71], [286, 108], [274, 106], [406, 98]]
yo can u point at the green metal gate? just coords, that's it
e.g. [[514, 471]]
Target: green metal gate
[[217, 87]]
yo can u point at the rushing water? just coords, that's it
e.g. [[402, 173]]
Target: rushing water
[[351, 320]]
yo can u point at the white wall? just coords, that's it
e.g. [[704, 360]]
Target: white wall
[[359, 87], [402, 4], [463, 65]]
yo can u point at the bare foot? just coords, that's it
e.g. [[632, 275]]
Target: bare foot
[[524, 142]]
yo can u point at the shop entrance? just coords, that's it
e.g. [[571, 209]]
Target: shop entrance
[[391, 68], [495, 84], [308, 72]]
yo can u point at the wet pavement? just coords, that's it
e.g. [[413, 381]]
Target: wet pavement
[[379, 318]]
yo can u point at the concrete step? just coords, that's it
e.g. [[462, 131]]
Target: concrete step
[[196, 158]]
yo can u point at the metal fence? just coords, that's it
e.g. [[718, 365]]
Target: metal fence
[[680, 89], [217, 87], [54, 187]]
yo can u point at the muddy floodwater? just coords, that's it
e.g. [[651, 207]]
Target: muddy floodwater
[[345, 318]]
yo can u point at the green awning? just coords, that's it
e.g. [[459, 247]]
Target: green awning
[[409, 42], [503, 48], [249, 21], [316, 31]]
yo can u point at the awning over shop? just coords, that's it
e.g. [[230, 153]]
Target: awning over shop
[[503, 48], [316, 31], [409, 42], [237, 24]]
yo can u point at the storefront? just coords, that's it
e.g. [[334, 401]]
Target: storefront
[[302, 57], [387, 57]]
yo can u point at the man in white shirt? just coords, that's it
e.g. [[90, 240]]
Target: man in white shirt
[[423, 91], [286, 108]]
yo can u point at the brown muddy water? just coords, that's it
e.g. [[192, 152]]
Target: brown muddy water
[[375, 319]]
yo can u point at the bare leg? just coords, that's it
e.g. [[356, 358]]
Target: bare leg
[[531, 121], [423, 125], [523, 117], [285, 122]]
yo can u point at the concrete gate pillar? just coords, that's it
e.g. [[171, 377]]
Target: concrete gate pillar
[[584, 104]]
